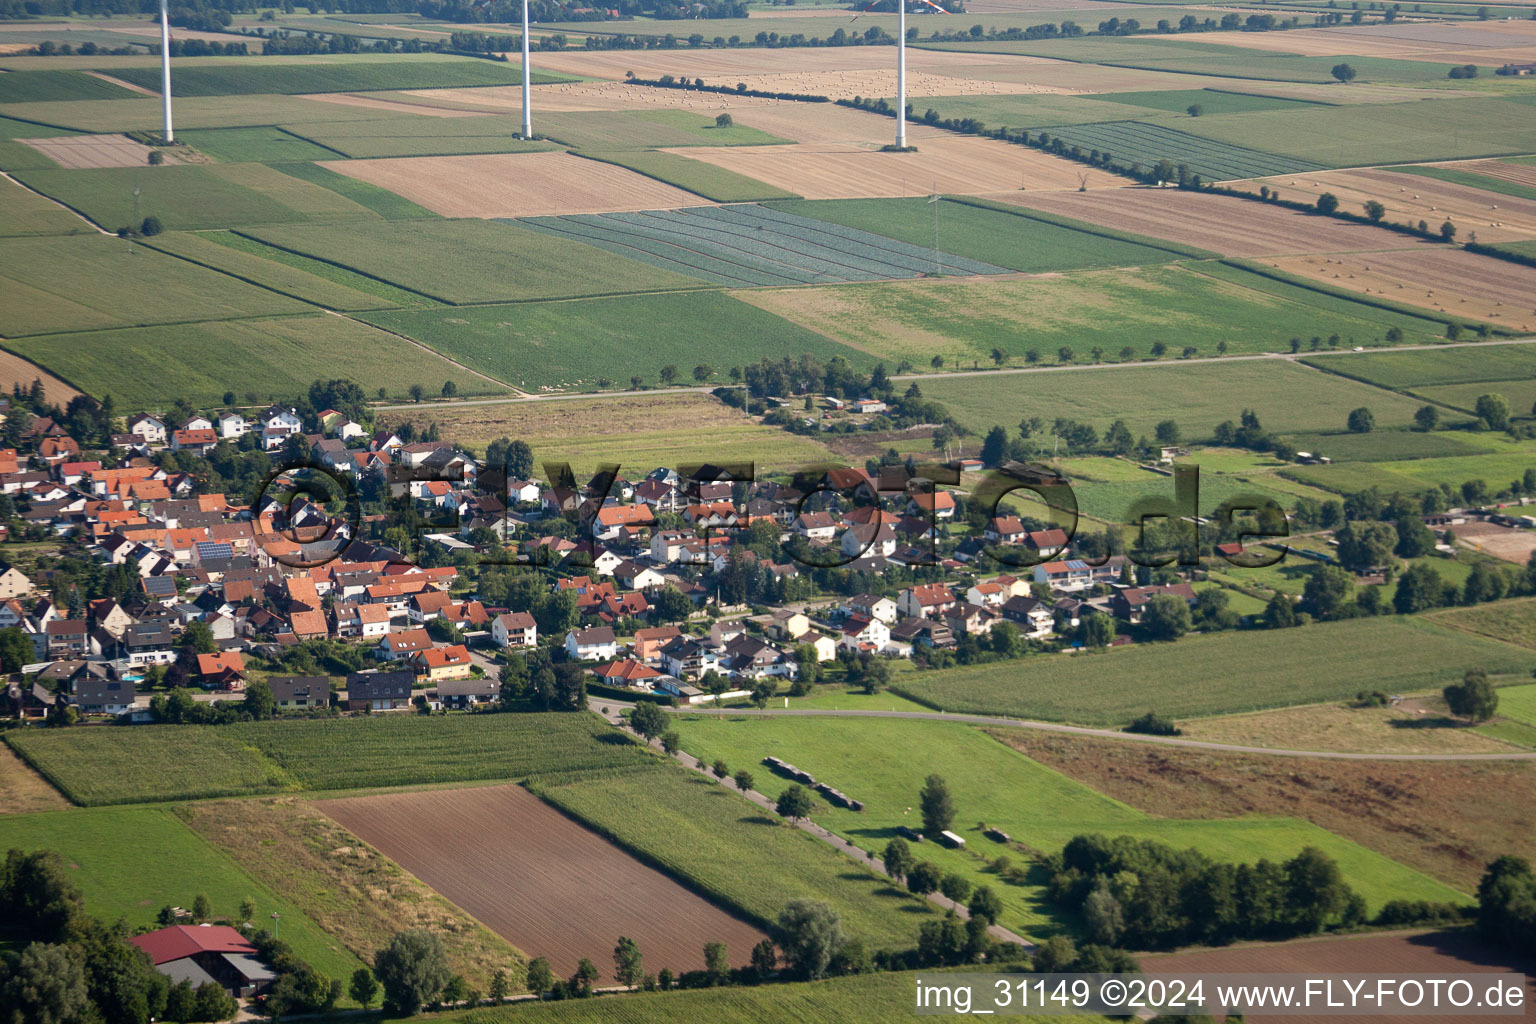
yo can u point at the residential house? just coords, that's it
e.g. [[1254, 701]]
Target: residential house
[[649, 642], [688, 657], [628, 672], [149, 429], [66, 638], [379, 691], [14, 583], [1033, 616], [403, 644], [862, 633], [368, 621], [925, 600], [869, 540], [98, 693], [224, 670], [232, 425], [514, 629], [874, 606], [1130, 603], [300, 691], [463, 694], [595, 644], [199, 441], [1005, 530], [442, 663]]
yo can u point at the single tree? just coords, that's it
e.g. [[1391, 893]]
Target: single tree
[[202, 909], [258, 701], [720, 768], [924, 878], [1167, 617], [1344, 73], [743, 780], [1361, 421], [364, 987], [794, 803], [413, 969], [1374, 211], [1426, 418], [1327, 203], [937, 805], [540, 978], [810, 933], [897, 858], [723, 121], [1493, 409], [671, 741], [499, 986], [628, 968], [716, 962], [1474, 698], [648, 719], [985, 905], [765, 958]]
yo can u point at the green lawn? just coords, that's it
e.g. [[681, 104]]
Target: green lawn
[[1199, 305], [131, 861], [1220, 673], [995, 785], [85, 282], [528, 344], [736, 853], [466, 261], [277, 358], [1005, 238], [265, 144], [26, 213], [113, 766], [1448, 366], [1196, 396], [707, 180], [287, 76], [190, 196]]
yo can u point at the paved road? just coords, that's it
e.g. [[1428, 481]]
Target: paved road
[[1110, 734], [611, 710]]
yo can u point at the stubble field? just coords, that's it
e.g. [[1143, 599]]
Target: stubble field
[[534, 876]]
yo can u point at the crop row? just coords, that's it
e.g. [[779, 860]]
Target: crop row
[[1134, 141], [749, 244]]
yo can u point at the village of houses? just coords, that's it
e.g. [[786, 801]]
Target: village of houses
[[243, 571]]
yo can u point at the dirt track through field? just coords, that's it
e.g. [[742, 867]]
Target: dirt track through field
[[1421, 954], [516, 184], [1232, 227], [539, 879]]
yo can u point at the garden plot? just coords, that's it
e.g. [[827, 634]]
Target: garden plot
[[1146, 144], [516, 184], [76, 151], [753, 245], [966, 166]]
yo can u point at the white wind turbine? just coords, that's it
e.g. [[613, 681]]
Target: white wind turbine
[[901, 64], [527, 80], [165, 67]]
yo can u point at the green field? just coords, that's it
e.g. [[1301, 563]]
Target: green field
[[628, 335], [191, 196], [277, 358], [265, 144], [1510, 621], [991, 783], [625, 129], [464, 261], [1196, 396], [24, 86], [26, 213], [1210, 101], [114, 766], [131, 861], [311, 280], [1459, 365], [1200, 305], [1519, 703], [735, 853], [859, 999], [1496, 469], [1458, 176], [145, 113], [1220, 673], [380, 200], [417, 135], [1145, 143], [287, 77], [1521, 394], [1381, 133], [85, 282], [1016, 240], [707, 180], [1388, 445], [1030, 111]]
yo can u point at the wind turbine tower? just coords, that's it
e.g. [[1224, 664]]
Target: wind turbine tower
[[901, 75], [165, 67], [527, 80]]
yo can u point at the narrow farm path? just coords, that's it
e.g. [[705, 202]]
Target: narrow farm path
[[611, 710]]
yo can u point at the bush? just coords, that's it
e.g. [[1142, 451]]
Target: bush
[[151, 226], [1152, 724]]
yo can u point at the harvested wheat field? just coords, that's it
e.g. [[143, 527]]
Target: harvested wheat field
[[726, 67], [964, 166], [516, 184], [1520, 174], [1232, 227], [537, 878], [1448, 43], [385, 101], [22, 790], [76, 151], [16, 370], [1410, 198], [1462, 284], [1417, 953]]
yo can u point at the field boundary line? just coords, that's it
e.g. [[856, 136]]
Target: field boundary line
[[250, 281], [1082, 730], [57, 202], [340, 265], [1072, 224], [33, 362]]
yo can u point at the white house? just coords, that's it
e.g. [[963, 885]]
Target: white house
[[151, 429], [277, 425], [232, 424], [869, 540], [514, 629], [595, 644], [875, 607], [861, 633]]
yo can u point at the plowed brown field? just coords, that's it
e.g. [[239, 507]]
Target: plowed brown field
[[517, 184], [76, 151], [1459, 283], [540, 880], [964, 166], [1411, 198], [1232, 227], [1422, 954]]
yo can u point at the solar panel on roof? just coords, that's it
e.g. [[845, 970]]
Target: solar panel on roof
[[159, 586], [207, 549]]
